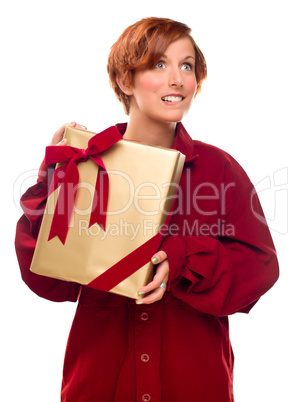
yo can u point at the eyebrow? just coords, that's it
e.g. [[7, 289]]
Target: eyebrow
[[185, 58]]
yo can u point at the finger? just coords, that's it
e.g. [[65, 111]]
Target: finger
[[162, 274], [154, 296], [61, 130], [161, 270], [80, 126], [58, 135], [64, 141], [159, 257]]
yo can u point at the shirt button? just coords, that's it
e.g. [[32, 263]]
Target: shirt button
[[145, 358], [144, 316], [146, 398]]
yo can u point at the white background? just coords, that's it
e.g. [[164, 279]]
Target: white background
[[53, 71]]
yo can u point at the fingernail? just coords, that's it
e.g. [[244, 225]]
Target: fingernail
[[139, 302], [141, 293], [82, 127], [62, 141], [154, 260]]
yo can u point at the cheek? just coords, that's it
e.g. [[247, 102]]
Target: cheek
[[149, 82], [191, 85]]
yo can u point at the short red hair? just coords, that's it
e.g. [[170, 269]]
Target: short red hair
[[141, 46]]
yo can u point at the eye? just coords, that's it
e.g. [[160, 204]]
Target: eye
[[160, 65], [187, 67]]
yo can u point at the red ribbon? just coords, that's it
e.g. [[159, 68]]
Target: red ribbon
[[128, 265], [132, 262], [67, 176]]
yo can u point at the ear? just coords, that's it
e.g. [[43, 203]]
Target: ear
[[124, 88]]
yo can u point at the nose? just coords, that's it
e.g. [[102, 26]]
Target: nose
[[175, 79]]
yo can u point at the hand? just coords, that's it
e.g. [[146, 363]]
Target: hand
[[162, 275], [58, 136]]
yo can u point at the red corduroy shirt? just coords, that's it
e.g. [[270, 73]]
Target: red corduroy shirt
[[222, 260]]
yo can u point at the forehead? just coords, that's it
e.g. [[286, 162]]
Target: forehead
[[181, 48]]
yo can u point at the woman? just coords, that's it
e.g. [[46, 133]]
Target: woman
[[218, 258]]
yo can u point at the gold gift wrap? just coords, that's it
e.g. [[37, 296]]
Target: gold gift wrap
[[143, 182]]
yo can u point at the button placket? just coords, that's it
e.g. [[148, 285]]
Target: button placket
[[147, 352]]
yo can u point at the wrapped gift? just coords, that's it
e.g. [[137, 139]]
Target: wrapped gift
[[107, 210]]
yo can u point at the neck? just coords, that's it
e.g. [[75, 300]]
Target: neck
[[150, 132]]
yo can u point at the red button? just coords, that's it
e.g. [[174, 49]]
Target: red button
[[145, 358], [144, 316], [146, 398]]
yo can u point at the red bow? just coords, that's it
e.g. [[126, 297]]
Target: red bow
[[67, 176]]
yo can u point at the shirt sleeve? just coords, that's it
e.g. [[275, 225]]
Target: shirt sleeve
[[33, 203], [225, 274]]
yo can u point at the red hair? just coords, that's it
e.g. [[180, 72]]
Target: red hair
[[141, 46]]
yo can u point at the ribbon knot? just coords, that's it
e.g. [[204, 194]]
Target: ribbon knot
[[67, 177], [84, 155]]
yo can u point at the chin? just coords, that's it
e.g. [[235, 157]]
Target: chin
[[174, 117]]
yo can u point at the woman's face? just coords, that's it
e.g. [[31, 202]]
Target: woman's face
[[165, 92]]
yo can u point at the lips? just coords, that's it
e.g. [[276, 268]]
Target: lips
[[172, 98]]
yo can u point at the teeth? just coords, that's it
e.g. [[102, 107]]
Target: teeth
[[172, 98]]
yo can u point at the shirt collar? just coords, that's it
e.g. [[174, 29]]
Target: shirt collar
[[182, 141]]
